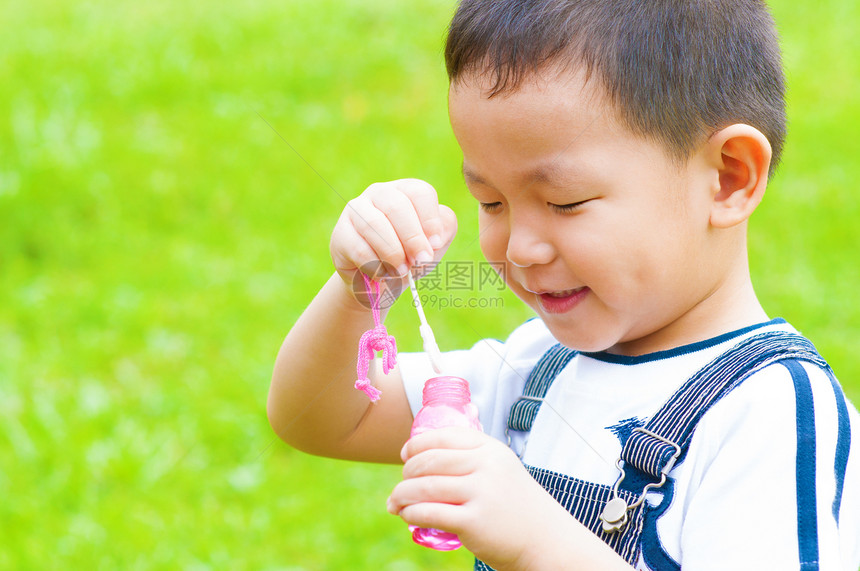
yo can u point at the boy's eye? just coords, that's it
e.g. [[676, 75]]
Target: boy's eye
[[566, 208], [490, 206]]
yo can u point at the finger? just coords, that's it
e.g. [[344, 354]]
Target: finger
[[447, 517], [376, 230], [349, 250], [425, 201], [449, 226], [450, 437], [449, 231], [433, 489], [403, 217], [439, 462]]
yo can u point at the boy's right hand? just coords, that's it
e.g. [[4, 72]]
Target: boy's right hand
[[399, 223]]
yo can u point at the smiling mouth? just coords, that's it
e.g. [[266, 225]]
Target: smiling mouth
[[561, 301], [552, 293], [563, 293]]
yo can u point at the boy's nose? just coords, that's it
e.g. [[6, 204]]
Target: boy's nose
[[528, 247]]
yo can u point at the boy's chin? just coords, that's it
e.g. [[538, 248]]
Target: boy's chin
[[576, 338]]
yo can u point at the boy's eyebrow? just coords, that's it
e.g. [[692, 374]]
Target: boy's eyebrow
[[547, 174], [471, 176]]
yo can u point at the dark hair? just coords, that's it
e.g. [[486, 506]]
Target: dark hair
[[676, 70]]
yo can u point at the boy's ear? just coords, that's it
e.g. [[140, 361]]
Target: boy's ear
[[741, 155]]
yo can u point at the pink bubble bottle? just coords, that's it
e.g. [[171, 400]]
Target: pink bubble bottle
[[446, 402]]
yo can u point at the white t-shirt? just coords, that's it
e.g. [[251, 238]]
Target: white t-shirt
[[735, 500]]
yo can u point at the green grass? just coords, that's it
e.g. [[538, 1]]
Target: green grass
[[169, 176]]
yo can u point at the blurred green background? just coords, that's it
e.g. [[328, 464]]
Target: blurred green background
[[169, 176]]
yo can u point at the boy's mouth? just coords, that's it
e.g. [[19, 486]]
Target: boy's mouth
[[563, 293], [561, 301]]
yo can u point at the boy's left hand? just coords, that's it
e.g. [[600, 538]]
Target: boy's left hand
[[464, 481]]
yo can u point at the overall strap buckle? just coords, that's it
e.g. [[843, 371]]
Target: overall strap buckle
[[614, 514]]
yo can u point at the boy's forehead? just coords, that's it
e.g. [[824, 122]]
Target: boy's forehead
[[553, 112], [544, 113], [548, 101]]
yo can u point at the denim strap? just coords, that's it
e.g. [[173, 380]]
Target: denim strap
[[676, 420], [525, 408]]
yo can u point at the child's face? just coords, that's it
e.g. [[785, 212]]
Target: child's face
[[600, 231]]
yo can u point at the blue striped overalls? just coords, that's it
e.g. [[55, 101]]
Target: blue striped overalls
[[650, 452]]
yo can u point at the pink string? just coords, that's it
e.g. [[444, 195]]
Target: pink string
[[373, 340]]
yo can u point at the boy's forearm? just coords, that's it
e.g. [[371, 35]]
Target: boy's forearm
[[311, 403], [581, 550], [562, 542]]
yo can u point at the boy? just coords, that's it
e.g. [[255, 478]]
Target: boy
[[617, 150]]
